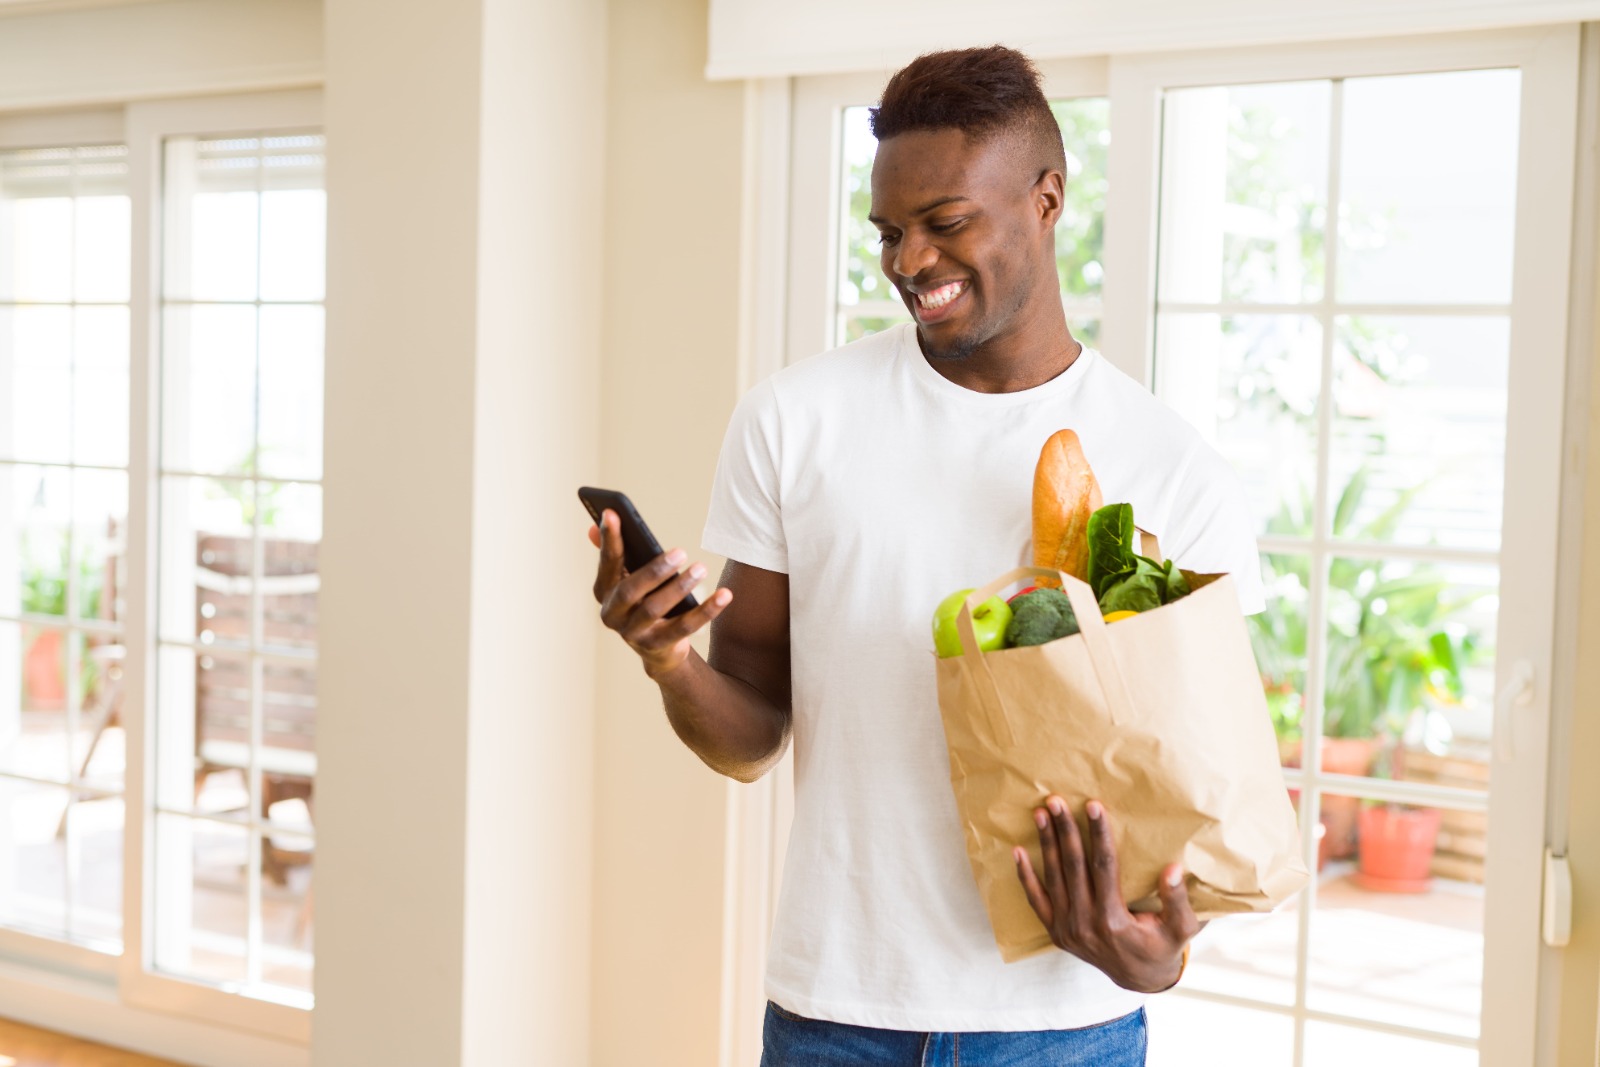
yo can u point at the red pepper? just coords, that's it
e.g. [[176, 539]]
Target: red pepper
[[1024, 592]]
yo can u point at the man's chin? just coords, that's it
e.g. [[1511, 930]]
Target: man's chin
[[946, 346]]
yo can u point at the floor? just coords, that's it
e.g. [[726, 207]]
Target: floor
[[23, 1046]]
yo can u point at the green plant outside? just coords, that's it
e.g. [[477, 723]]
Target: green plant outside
[[1394, 644]]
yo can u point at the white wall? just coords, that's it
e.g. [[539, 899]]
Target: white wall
[[671, 240], [769, 38], [457, 681]]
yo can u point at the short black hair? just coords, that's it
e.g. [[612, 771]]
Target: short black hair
[[984, 92]]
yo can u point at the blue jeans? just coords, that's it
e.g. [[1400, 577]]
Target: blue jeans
[[790, 1040]]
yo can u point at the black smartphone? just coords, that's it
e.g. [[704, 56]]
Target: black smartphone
[[639, 545]]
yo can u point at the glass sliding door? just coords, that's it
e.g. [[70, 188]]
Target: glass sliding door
[[1334, 309], [241, 519], [64, 308]]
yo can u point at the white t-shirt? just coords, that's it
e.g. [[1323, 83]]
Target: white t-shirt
[[880, 487]]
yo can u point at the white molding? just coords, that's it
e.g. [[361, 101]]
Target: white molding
[[763, 301], [762, 39], [764, 232], [70, 56], [1581, 339], [49, 129], [91, 1010], [142, 989], [1530, 574]]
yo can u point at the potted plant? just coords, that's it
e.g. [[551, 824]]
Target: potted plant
[[1396, 842], [1392, 642]]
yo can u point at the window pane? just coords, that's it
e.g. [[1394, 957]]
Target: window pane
[[102, 256], [33, 870], [1331, 1045], [1420, 429], [1248, 955], [1244, 193], [100, 520], [205, 578], [94, 842], [33, 722], [1278, 636], [1428, 187], [201, 907], [209, 374], [291, 391], [1250, 384], [40, 401], [1080, 235], [99, 750], [100, 386], [221, 244], [286, 926], [292, 583], [36, 528], [41, 245], [1410, 662], [293, 223], [1389, 940]]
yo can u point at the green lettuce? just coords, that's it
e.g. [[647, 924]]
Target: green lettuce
[[1123, 580]]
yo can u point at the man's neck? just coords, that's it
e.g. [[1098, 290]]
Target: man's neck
[[1032, 353]]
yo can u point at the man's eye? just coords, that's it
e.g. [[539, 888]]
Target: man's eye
[[887, 239], [946, 227]]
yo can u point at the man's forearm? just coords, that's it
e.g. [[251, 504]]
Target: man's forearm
[[724, 720]]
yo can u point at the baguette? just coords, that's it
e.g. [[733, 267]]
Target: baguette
[[1065, 494]]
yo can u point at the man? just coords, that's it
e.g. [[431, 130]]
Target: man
[[855, 490]]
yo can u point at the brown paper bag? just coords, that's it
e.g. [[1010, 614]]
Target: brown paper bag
[[1160, 717]]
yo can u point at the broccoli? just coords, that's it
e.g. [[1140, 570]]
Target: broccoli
[[1040, 616]]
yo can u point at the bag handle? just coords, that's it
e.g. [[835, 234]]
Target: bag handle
[[1091, 624]]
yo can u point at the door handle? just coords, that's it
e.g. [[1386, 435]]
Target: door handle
[[1518, 693], [1557, 899]]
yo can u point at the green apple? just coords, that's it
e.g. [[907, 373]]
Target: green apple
[[989, 622]]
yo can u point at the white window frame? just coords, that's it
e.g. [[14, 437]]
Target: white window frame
[[787, 314], [57, 984]]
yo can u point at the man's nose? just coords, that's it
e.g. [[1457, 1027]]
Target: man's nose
[[913, 256]]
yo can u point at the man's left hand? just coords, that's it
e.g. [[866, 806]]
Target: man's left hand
[[1081, 904]]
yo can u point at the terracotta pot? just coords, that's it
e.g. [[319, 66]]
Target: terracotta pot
[[1397, 848], [1348, 755], [41, 672]]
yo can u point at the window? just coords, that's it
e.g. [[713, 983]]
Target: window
[[241, 517], [1352, 363], [160, 514], [64, 309]]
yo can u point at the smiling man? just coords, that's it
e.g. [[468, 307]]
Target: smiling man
[[855, 490]]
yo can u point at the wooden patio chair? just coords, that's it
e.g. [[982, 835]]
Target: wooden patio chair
[[288, 757]]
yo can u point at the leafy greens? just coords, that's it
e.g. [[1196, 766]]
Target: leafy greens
[[1122, 579]]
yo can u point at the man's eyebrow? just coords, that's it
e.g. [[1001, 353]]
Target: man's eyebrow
[[925, 208]]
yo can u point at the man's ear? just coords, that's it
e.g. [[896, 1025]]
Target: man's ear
[[1049, 195]]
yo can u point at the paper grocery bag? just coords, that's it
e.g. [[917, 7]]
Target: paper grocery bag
[[1160, 717]]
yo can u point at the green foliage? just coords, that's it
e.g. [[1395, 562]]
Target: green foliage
[[44, 585], [1123, 580], [1396, 641], [1081, 233], [1111, 556]]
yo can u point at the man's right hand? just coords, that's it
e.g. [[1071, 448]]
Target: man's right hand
[[632, 605]]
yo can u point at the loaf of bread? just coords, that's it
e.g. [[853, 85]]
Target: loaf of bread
[[1065, 494]]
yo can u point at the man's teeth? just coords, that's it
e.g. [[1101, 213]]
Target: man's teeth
[[941, 296]]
